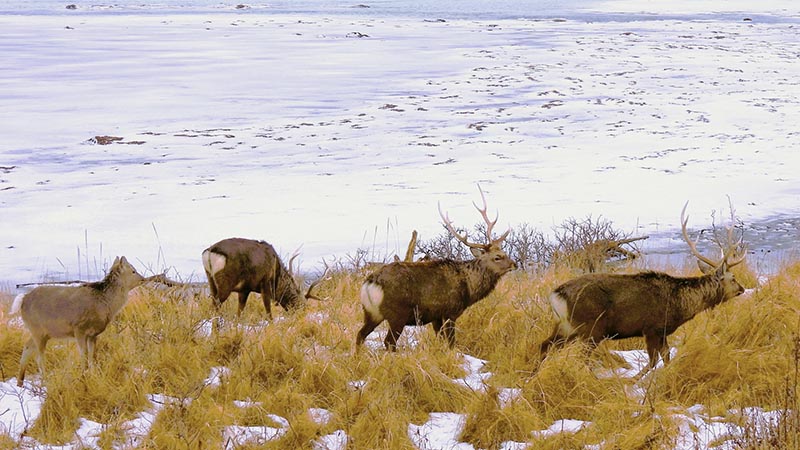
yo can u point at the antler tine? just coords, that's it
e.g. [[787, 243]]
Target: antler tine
[[315, 283], [490, 223], [484, 212], [734, 244], [693, 245], [292, 258], [449, 225]]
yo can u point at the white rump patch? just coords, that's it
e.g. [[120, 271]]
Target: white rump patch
[[15, 307], [213, 262], [561, 311], [371, 299]]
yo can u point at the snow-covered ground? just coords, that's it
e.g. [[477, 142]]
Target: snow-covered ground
[[339, 132]]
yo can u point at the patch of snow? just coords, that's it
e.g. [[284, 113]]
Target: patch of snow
[[357, 385], [216, 376], [19, 407], [511, 445], [320, 416], [137, 429], [440, 432], [506, 396], [474, 379], [235, 436], [335, 441], [562, 426], [246, 403]]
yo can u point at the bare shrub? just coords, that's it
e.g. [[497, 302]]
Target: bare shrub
[[529, 248], [591, 244], [587, 245], [446, 246]]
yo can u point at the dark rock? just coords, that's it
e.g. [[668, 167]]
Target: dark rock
[[104, 140], [72, 6]]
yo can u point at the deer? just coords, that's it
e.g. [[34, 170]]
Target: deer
[[244, 266], [599, 306], [433, 291], [80, 312]]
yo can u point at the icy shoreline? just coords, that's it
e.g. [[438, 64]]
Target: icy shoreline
[[345, 132]]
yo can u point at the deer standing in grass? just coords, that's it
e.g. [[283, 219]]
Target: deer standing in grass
[[434, 291], [594, 307], [244, 266], [80, 312]]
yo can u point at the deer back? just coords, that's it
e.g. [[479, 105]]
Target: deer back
[[58, 311]]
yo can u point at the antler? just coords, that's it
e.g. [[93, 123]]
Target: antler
[[292, 258], [490, 223], [489, 226], [726, 252], [322, 277], [449, 225]]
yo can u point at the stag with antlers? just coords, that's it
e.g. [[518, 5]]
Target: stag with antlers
[[594, 307], [245, 266], [435, 292]]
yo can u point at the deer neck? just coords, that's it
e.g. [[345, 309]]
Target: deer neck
[[699, 294], [114, 293], [480, 280]]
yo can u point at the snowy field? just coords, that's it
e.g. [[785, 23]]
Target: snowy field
[[343, 131]]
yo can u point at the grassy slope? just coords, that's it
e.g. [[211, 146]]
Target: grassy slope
[[741, 354]]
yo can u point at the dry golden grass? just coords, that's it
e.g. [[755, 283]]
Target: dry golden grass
[[741, 354]]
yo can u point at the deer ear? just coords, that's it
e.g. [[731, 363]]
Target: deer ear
[[476, 252], [722, 269], [705, 268]]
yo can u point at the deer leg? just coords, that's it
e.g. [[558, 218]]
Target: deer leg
[[81, 340], [218, 296], [369, 324], [265, 298], [657, 345], [555, 339], [449, 332], [41, 344], [27, 352], [242, 302], [90, 341], [212, 285], [395, 330], [446, 329]]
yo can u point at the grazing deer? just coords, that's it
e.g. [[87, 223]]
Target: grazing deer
[[80, 312], [434, 291], [244, 266], [594, 307]]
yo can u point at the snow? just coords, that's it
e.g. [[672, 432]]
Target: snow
[[562, 426], [439, 432], [334, 441]]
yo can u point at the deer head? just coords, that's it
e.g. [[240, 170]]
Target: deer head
[[490, 254], [732, 253]]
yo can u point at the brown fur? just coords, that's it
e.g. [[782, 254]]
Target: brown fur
[[252, 266], [80, 312], [437, 292], [649, 304]]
